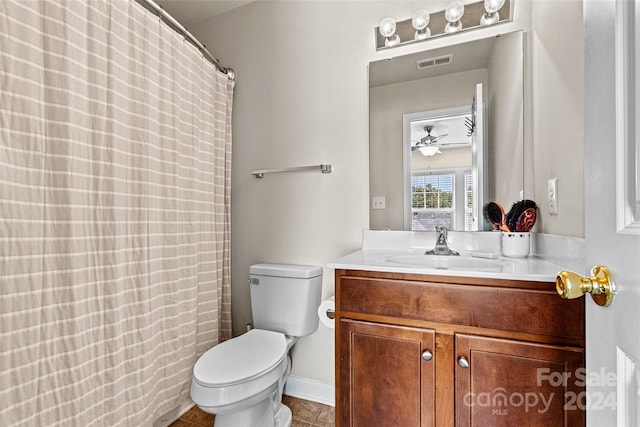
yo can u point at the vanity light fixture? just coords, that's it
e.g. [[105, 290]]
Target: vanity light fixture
[[420, 21], [491, 15], [453, 14], [387, 29], [425, 24]]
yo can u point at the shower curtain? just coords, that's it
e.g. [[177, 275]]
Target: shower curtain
[[115, 160]]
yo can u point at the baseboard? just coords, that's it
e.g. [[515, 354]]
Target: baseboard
[[313, 390]]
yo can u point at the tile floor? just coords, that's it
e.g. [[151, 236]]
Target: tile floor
[[305, 414]]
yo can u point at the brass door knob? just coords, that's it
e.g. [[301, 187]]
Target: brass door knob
[[600, 285]]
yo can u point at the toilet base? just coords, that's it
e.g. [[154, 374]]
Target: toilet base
[[269, 412], [260, 414], [285, 418]]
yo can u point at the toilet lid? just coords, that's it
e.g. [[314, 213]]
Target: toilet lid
[[240, 358]]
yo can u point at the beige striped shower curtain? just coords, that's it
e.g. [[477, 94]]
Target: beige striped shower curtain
[[115, 157]]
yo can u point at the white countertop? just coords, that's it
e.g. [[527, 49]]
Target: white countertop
[[529, 268], [403, 252]]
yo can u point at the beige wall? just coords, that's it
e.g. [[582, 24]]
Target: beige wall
[[505, 121], [301, 99], [557, 57], [450, 158]]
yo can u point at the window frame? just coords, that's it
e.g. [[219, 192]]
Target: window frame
[[459, 209]]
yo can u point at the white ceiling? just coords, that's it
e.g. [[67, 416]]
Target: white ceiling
[[187, 12], [452, 126], [466, 56]]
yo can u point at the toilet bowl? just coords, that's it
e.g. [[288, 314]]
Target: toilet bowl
[[241, 380]]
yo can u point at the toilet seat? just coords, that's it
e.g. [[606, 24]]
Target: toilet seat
[[240, 359]]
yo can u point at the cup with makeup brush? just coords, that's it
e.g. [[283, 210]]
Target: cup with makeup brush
[[515, 244], [515, 226], [520, 219]]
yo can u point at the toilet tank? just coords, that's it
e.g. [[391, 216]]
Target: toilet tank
[[285, 297]]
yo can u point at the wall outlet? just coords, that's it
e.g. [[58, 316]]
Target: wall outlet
[[552, 196], [378, 202]]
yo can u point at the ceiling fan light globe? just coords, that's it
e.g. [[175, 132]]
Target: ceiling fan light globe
[[430, 150]]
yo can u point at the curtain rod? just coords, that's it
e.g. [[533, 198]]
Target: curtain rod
[[155, 7]]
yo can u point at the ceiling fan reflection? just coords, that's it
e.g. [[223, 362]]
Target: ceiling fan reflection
[[429, 145]]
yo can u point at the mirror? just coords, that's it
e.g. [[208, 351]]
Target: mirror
[[441, 183], [435, 90]]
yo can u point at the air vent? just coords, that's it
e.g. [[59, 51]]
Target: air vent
[[435, 62]]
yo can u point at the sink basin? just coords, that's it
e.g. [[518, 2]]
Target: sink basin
[[445, 262]]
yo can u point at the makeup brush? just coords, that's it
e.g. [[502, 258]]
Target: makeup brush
[[526, 220], [494, 213], [516, 210]]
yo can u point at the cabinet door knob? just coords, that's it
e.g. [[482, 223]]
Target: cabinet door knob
[[463, 362], [427, 355]]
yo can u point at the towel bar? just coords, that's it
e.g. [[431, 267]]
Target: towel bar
[[326, 168]]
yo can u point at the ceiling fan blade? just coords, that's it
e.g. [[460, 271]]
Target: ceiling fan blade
[[446, 144], [435, 139]]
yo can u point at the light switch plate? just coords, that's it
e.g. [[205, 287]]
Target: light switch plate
[[378, 202], [552, 196]]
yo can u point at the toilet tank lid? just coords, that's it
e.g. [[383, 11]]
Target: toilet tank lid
[[286, 270]]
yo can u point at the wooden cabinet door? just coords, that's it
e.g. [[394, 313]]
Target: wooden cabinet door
[[384, 380], [514, 383]]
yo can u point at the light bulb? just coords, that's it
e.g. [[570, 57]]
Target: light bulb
[[453, 13], [492, 6], [387, 29], [491, 15], [420, 21]]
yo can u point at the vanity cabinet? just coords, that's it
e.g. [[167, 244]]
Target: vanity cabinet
[[403, 399], [426, 350]]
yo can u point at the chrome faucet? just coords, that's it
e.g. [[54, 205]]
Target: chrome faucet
[[441, 247]]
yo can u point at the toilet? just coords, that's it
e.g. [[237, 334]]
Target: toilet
[[241, 380]]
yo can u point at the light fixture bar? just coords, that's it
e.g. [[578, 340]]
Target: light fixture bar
[[470, 21]]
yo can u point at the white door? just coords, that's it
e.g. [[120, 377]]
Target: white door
[[613, 333]]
